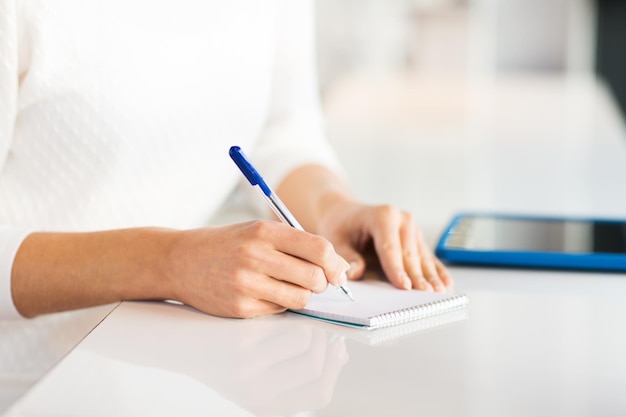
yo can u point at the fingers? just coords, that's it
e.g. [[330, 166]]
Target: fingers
[[404, 256], [282, 294], [293, 270], [261, 268], [297, 265], [444, 274], [251, 269], [259, 294], [319, 256], [388, 242], [435, 272], [410, 237], [356, 261]]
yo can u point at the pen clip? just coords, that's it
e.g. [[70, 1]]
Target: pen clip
[[248, 170]]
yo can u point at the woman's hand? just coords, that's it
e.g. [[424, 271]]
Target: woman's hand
[[323, 203], [356, 230], [251, 269], [241, 270]]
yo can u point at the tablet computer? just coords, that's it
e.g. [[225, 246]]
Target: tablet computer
[[535, 242]]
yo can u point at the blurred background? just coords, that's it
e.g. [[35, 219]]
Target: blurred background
[[437, 88], [472, 38]]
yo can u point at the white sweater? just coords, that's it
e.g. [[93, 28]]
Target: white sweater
[[120, 113]]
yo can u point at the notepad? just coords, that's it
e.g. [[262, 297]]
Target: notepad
[[378, 304], [413, 328]]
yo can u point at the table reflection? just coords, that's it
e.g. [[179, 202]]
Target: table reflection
[[250, 362], [158, 359]]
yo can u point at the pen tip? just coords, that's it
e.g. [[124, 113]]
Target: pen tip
[[347, 292]]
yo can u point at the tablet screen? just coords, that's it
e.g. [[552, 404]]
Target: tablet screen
[[511, 234]]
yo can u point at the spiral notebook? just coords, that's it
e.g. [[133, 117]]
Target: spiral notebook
[[378, 304], [413, 328]]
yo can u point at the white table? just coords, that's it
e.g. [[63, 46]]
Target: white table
[[532, 343]]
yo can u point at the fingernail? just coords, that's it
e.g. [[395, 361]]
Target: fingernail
[[420, 284], [351, 268], [406, 283], [346, 265], [343, 279]]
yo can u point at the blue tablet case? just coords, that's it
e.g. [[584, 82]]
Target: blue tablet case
[[529, 259]]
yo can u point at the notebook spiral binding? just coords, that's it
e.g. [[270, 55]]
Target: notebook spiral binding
[[419, 312]]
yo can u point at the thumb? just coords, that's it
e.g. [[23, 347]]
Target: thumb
[[354, 258]]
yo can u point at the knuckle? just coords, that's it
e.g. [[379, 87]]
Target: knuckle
[[245, 255], [430, 271], [316, 279], [260, 228], [387, 211], [238, 277], [328, 254], [322, 246], [319, 286], [389, 246], [323, 249], [428, 260], [243, 250], [299, 299]]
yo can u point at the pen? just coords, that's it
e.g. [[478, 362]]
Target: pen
[[253, 176]]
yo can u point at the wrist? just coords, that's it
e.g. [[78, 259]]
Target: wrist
[[152, 265], [332, 207]]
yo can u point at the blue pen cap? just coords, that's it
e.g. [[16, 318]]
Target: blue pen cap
[[248, 169]]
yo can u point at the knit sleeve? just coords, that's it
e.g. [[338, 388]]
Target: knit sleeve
[[294, 132], [10, 238], [8, 76]]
